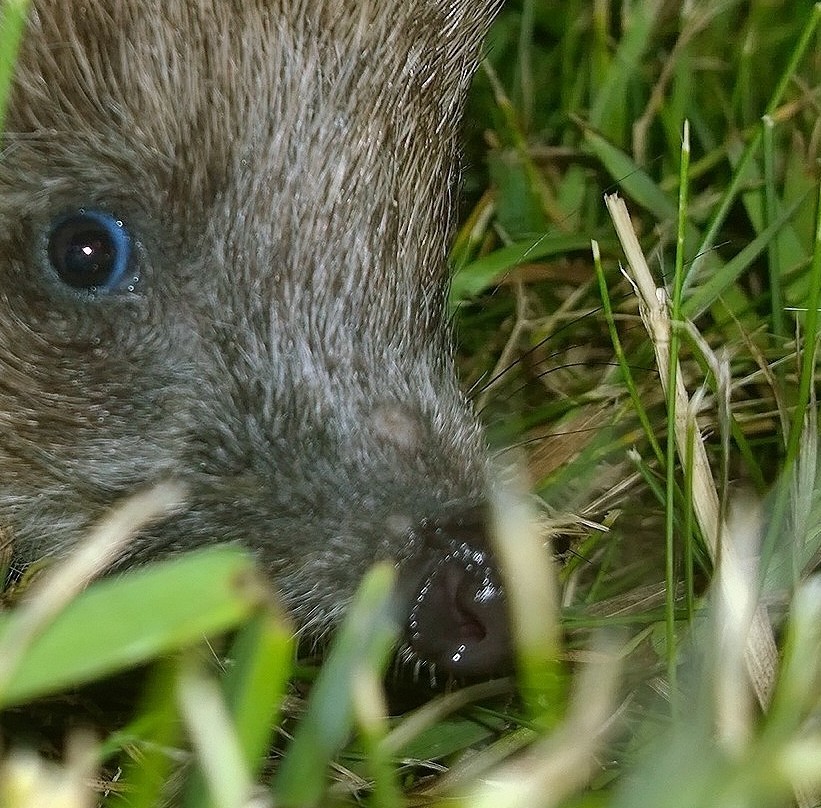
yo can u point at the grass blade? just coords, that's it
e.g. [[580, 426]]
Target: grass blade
[[364, 640], [118, 623]]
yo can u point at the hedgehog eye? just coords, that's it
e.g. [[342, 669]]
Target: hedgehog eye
[[89, 250]]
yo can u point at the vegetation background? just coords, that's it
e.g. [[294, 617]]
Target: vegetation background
[[677, 671]]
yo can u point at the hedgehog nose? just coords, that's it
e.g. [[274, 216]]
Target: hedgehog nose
[[458, 620]]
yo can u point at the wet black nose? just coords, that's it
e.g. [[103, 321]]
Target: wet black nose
[[458, 620]]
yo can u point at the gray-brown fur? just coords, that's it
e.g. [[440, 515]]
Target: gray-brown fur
[[286, 168]]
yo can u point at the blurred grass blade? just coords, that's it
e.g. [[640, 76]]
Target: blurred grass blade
[[29, 780], [13, 14], [260, 665], [61, 581], [371, 712], [558, 764], [791, 728], [532, 595], [800, 685], [261, 662], [118, 623], [214, 737], [365, 639], [149, 739]]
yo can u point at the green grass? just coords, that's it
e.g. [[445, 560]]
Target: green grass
[[661, 680]]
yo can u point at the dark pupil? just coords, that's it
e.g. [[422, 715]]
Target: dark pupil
[[83, 253]]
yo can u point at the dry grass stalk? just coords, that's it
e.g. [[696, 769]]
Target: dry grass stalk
[[761, 654]]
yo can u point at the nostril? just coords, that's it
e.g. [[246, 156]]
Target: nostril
[[458, 620], [471, 629], [473, 599]]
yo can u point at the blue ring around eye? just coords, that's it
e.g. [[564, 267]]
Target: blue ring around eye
[[90, 250]]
